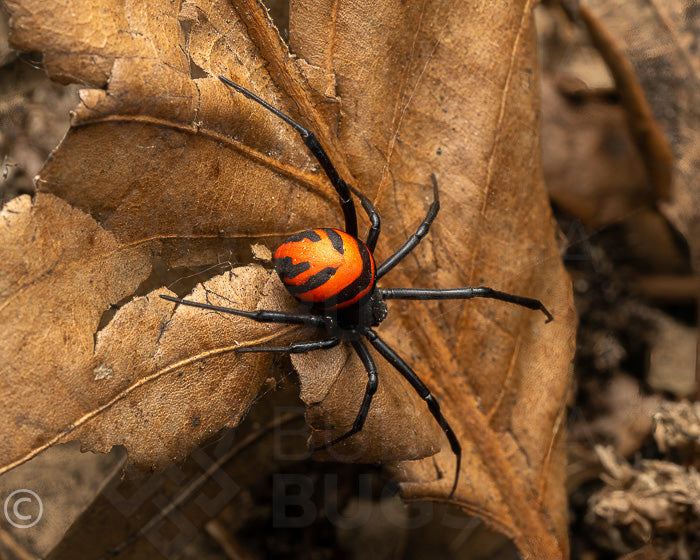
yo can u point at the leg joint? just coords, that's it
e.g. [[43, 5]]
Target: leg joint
[[433, 404]]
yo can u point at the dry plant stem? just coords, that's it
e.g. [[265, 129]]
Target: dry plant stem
[[646, 132]]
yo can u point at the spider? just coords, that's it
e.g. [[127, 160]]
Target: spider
[[333, 272]]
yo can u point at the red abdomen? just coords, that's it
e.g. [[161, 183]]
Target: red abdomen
[[326, 267]]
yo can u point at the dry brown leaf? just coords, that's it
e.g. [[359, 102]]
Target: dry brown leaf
[[645, 130], [605, 158], [67, 481], [158, 515], [154, 380], [659, 38], [592, 168], [165, 155], [59, 272], [172, 377]]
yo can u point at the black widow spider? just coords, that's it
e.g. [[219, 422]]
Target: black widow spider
[[335, 273]]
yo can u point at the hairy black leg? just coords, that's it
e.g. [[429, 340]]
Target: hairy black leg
[[416, 238], [464, 293], [318, 152], [372, 383], [294, 348], [404, 369], [263, 316]]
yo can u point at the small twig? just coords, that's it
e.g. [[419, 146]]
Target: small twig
[[229, 544], [668, 287], [14, 547]]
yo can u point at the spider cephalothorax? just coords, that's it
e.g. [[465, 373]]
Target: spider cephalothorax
[[334, 273]]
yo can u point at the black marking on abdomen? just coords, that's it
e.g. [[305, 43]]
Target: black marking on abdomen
[[315, 281], [361, 283], [336, 240], [309, 234], [287, 269]]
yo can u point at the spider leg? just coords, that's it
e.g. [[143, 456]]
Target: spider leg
[[372, 384], [264, 316], [416, 238], [404, 369], [294, 348], [375, 221], [464, 293], [318, 152]]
